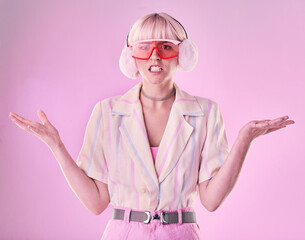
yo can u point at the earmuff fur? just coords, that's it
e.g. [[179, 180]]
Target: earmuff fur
[[128, 64], [188, 57]]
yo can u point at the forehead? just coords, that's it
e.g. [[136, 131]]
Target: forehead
[[175, 42]]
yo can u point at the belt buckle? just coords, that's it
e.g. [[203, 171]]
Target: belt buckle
[[163, 221], [148, 217]]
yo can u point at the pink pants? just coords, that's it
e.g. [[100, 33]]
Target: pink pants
[[123, 229]]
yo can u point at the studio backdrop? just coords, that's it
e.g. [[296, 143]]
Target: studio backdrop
[[63, 57]]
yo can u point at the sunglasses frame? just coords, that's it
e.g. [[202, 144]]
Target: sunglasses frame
[[176, 42]]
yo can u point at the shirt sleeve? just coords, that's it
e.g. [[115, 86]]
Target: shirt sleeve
[[216, 148], [91, 158]]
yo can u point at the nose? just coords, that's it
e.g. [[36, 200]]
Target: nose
[[155, 55]]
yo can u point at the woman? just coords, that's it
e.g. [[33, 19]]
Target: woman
[[151, 151]]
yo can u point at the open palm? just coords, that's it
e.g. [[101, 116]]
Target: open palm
[[254, 129], [45, 131]]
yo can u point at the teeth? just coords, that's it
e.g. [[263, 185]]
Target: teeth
[[155, 69]]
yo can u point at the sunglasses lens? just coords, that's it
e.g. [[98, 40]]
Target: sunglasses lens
[[164, 49]]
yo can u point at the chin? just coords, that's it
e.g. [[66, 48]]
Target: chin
[[156, 80]]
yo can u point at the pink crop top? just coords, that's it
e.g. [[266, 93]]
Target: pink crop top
[[154, 151]]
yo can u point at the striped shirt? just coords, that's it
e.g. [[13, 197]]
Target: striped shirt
[[116, 151]]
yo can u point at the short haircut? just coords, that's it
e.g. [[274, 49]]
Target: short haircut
[[154, 26]]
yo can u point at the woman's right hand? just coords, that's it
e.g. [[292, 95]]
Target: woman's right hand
[[92, 193], [46, 132]]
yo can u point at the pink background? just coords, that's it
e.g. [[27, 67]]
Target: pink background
[[62, 57]]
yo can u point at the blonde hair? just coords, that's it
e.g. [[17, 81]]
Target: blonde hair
[[154, 26]]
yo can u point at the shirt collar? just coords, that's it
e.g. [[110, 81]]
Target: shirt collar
[[185, 103]]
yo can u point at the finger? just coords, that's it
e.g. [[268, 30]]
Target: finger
[[280, 119], [16, 116], [21, 124], [43, 117], [275, 122], [286, 123], [274, 129], [281, 123], [24, 124], [284, 118], [30, 128]]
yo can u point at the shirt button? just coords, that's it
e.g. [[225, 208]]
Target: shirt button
[[142, 190]]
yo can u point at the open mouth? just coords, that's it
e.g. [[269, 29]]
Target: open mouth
[[155, 69]]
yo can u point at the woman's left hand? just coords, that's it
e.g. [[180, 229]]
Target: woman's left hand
[[256, 128]]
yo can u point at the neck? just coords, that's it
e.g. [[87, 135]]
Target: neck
[[152, 92]]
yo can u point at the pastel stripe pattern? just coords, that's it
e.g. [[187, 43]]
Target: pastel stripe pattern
[[170, 144], [116, 151], [117, 190], [118, 113], [185, 100], [104, 169], [217, 134], [140, 124], [128, 101], [109, 121], [117, 147], [191, 164], [142, 163], [97, 127], [205, 162], [175, 186], [192, 113], [134, 185]]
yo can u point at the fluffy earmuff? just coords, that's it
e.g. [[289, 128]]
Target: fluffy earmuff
[[188, 58], [188, 55], [127, 64]]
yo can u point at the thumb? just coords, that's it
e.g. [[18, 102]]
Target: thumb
[[42, 116]]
